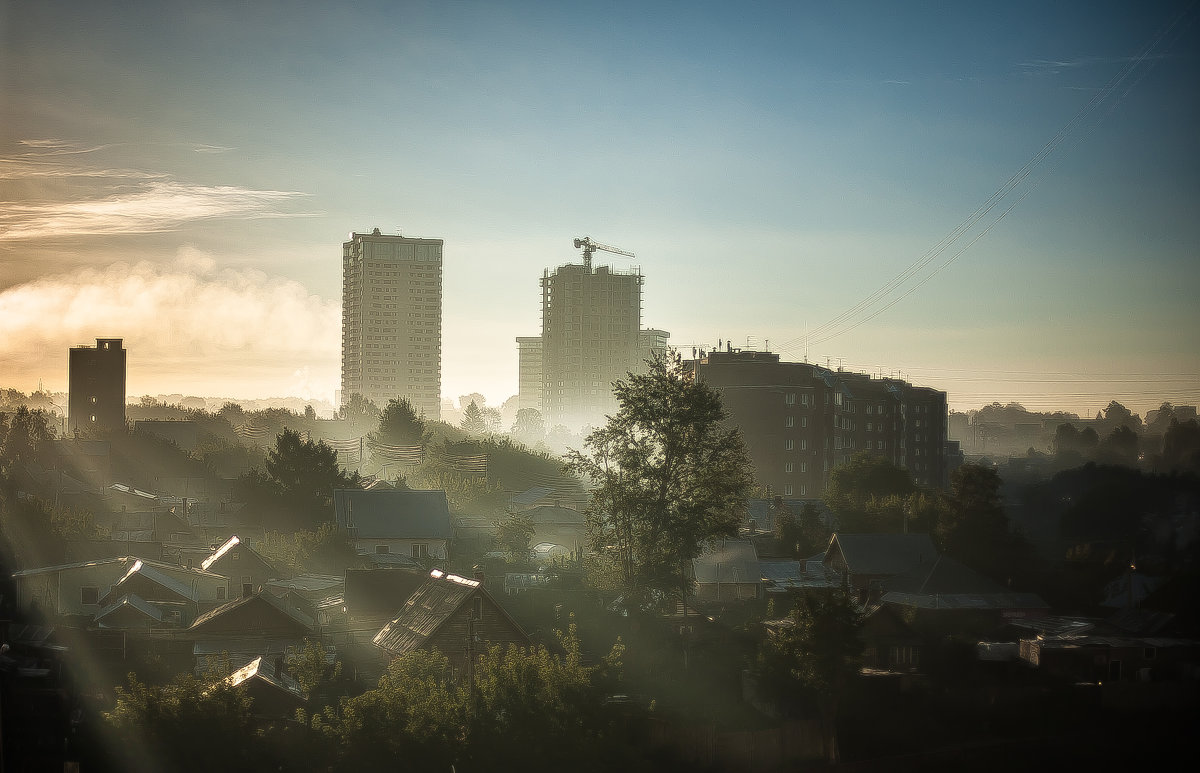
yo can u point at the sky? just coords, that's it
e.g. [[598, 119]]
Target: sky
[[806, 177]]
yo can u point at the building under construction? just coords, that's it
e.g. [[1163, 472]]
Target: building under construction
[[591, 336]]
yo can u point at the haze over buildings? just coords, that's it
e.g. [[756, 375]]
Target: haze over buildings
[[180, 176]]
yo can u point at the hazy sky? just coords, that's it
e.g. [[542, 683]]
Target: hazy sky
[[182, 175]]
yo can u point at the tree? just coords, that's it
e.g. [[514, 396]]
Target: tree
[[399, 425], [1181, 447], [360, 414], [1119, 447], [975, 528], [23, 438], [174, 727], [513, 533], [473, 420], [669, 478], [303, 475], [857, 488], [529, 428], [815, 655]]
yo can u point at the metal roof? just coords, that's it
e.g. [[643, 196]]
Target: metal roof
[[426, 610], [131, 601]]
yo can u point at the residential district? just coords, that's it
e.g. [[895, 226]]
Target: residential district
[[726, 561]]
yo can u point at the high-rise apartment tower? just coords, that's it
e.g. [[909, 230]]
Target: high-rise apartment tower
[[392, 320]]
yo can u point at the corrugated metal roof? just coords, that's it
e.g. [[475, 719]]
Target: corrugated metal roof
[[263, 670], [426, 610], [529, 496]]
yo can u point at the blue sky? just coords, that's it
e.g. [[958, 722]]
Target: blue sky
[[182, 175]]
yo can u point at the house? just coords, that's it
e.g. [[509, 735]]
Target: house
[[864, 560], [453, 615], [890, 643], [259, 624], [176, 601], [1100, 658], [382, 521], [729, 571], [275, 695], [247, 571], [948, 597], [77, 589]]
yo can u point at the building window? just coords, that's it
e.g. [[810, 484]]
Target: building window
[[803, 421], [787, 490], [420, 550], [220, 593], [803, 466], [789, 444], [789, 398], [477, 610], [790, 421], [789, 467], [89, 594], [803, 444], [381, 549]]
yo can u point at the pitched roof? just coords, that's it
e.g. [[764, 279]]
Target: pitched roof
[[129, 604], [883, 554], [732, 560], [945, 575], [219, 552], [263, 670], [426, 610], [257, 599], [532, 495], [553, 514], [140, 568], [388, 514]]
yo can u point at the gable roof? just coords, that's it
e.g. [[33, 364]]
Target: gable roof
[[140, 568], [129, 606], [426, 610], [388, 514], [219, 552], [945, 575], [264, 603], [263, 670], [530, 496], [882, 554]]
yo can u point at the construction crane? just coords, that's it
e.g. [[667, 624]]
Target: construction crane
[[590, 246]]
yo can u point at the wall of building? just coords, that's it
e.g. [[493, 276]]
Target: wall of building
[[800, 420], [96, 387]]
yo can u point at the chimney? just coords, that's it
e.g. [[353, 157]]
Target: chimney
[[477, 573]]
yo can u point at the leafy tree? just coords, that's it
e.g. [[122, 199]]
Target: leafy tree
[[178, 726], [856, 488], [1120, 447], [300, 478], [399, 425], [529, 428], [473, 420], [799, 534], [514, 533], [360, 414], [23, 438], [491, 419], [975, 528], [669, 478], [1181, 447], [527, 708], [815, 656]]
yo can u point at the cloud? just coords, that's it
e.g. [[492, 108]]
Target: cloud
[[108, 201], [186, 324], [149, 207]]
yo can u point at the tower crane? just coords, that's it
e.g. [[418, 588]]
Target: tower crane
[[590, 246]]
